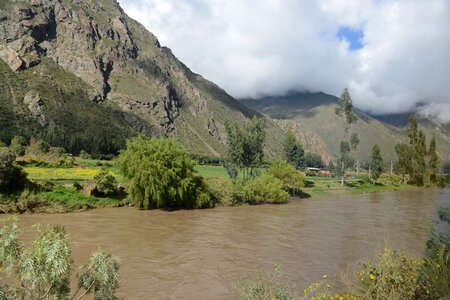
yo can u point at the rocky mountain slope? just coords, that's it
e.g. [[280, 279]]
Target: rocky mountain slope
[[78, 71], [312, 117]]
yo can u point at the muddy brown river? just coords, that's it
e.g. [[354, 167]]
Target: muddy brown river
[[199, 254]]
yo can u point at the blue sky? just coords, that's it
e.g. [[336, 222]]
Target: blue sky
[[353, 36]]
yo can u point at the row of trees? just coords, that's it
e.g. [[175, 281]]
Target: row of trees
[[419, 163]]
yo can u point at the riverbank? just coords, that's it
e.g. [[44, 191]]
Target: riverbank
[[62, 187]]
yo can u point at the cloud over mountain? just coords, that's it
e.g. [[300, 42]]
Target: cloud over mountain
[[269, 47]]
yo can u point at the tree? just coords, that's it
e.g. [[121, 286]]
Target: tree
[[434, 156], [376, 162], [313, 160], [161, 175], [293, 180], [344, 160], [403, 164], [412, 156], [12, 177], [43, 270], [105, 184], [354, 141], [18, 145], [345, 109], [245, 145], [293, 151]]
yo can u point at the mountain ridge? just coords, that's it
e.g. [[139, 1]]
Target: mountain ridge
[[124, 69]]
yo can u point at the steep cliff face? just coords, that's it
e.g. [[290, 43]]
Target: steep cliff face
[[124, 68]]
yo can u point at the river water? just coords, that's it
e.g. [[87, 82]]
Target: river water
[[200, 254]]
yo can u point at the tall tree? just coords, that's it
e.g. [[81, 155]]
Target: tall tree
[[403, 164], [376, 162], [293, 151], [434, 160], [245, 145], [345, 110], [411, 157]]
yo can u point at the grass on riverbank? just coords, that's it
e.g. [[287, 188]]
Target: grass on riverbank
[[58, 199]]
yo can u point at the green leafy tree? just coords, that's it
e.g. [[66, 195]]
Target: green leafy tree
[[345, 108], [344, 160], [161, 175], [411, 157], [293, 151], [12, 177], [354, 141], [293, 180], [376, 162], [105, 184], [434, 160], [403, 164], [313, 160], [18, 145], [245, 145], [43, 270]]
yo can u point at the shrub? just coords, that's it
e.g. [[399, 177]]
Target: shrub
[[105, 184], [264, 287], [392, 277], [84, 155], [43, 270], [224, 191], [161, 175], [12, 177], [264, 189], [292, 179], [18, 145], [434, 279]]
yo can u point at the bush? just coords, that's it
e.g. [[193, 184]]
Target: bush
[[434, 279], [161, 175], [43, 270], [224, 191], [264, 287], [392, 277], [84, 155], [18, 145], [12, 177], [105, 184], [264, 189], [292, 179]]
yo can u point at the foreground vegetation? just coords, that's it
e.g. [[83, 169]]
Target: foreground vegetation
[[43, 270]]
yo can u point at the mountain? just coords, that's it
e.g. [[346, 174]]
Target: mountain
[[84, 75], [312, 117]]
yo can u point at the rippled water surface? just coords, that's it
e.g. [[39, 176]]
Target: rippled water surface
[[200, 254]]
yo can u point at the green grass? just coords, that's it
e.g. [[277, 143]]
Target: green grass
[[211, 171]]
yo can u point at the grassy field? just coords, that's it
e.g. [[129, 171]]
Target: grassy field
[[85, 170]]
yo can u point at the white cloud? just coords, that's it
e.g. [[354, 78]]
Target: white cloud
[[268, 47]]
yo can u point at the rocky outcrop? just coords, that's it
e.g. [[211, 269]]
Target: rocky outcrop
[[36, 106], [123, 64]]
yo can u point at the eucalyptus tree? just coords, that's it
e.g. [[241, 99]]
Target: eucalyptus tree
[[245, 145]]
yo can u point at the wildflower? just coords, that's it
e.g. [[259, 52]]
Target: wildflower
[[372, 276], [324, 276]]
